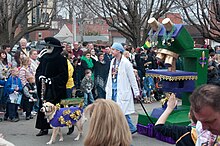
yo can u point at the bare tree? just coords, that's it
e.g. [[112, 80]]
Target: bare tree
[[204, 15], [129, 16], [75, 6], [14, 14], [79, 9]]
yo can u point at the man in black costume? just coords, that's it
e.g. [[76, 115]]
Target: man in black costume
[[53, 70]]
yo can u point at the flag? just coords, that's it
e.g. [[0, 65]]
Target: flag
[[147, 45]]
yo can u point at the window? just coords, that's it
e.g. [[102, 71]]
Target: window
[[39, 35], [45, 17]]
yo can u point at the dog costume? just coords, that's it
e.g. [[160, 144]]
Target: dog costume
[[66, 116], [54, 70]]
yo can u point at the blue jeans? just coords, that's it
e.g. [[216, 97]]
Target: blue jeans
[[114, 95], [146, 93], [69, 92], [88, 98], [36, 105], [130, 124]]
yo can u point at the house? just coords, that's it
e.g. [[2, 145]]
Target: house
[[91, 30], [42, 14]]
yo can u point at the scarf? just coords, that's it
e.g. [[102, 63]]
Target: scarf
[[88, 61]]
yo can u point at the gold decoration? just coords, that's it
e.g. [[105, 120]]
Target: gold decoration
[[203, 59], [68, 123], [78, 112], [167, 96], [62, 120], [58, 106], [168, 57], [66, 112], [172, 78], [164, 100], [73, 116], [81, 104]]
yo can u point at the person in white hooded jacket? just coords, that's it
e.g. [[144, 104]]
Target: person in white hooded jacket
[[121, 84]]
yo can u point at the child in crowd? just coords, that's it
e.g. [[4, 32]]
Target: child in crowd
[[29, 96], [87, 86], [13, 90], [148, 88]]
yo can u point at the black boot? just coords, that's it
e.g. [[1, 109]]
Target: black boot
[[42, 132], [71, 129]]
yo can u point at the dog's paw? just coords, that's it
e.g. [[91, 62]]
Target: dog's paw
[[49, 142], [61, 139], [77, 138]]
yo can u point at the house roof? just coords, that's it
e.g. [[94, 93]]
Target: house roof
[[64, 32], [193, 31], [65, 35], [85, 39]]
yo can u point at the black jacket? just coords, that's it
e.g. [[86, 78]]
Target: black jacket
[[181, 134], [53, 66]]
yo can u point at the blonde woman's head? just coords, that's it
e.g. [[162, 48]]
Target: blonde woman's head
[[108, 126], [25, 61]]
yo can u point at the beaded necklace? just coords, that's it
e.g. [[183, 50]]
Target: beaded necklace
[[115, 69], [153, 36], [167, 37]]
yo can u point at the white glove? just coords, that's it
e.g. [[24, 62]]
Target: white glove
[[47, 80], [42, 77]]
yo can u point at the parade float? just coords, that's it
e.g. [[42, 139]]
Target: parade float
[[173, 42]]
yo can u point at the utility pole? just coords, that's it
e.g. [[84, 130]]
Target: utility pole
[[82, 21], [74, 26]]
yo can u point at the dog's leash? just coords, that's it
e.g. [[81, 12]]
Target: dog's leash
[[146, 112]]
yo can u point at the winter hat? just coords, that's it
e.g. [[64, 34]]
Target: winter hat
[[118, 47]]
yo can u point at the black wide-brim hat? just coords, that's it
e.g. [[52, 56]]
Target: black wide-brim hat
[[53, 42]]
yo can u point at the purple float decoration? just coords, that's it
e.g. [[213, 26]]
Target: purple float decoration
[[149, 131]]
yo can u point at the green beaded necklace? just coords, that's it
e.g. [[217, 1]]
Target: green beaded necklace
[[153, 36], [167, 37]]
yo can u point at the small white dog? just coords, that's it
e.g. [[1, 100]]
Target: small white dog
[[60, 117]]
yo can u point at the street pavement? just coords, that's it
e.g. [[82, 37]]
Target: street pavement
[[23, 133]]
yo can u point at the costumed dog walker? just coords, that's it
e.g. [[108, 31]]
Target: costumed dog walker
[[173, 42]]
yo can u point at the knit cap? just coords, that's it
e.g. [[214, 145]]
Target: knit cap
[[118, 47]]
